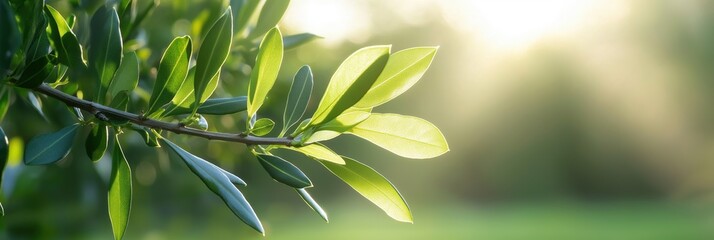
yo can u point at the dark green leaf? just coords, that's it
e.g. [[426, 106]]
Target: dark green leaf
[[297, 40], [350, 82], [403, 70], [120, 101], [222, 106], [4, 102], [262, 127], [217, 180], [213, 53], [373, 186], [312, 203], [270, 15], [406, 136], [4, 152], [119, 196], [36, 73], [97, 142], [233, 178], [127, 76], [50, 148], [172, 73], [298, 97], [265, 72], [10, 41], [284, 171], [63, 40], [246, 11], [105, 51], [147, 134]]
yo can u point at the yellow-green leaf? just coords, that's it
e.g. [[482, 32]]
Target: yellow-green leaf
[[402, 71], [373, 186], [50, 148], [262, 127], [212, 54], [298, 97], [172, 72], [337, 126], [265, 72], [127, 76], [294, 41], [105, 48], [320, 152], [350, 82], [406, 136], [119, 196]]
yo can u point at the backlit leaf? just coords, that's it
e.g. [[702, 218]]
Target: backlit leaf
[[403, 70], [4, 102], [217, 180], [350, 82], [35, 73], [312, 203], [172, 72], [50, 148], [262, 127], [298, 97], [373, 186], [318, 151], [265, 72], [120, 191], [337, 126], [294, 41], [406, 136], [284, 171], [97, 141], [63, 40], [270, 15], [213, 53], [127, 76], [105, 48]]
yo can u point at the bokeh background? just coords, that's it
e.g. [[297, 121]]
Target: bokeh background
[[588, 119]]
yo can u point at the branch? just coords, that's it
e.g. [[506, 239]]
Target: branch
[[98, 110]]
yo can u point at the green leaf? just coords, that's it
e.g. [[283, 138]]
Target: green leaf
[[217, 180], [172, 72], [149, 137], [4, 152], [223, 106], [402, 71], [35, 73], [337, 126], [97, 141], [127, 76], [63, 40], [294, 41], [245, 13], [105, 48], [298, 97], [406, 136], [4, 102], [373, 186], [262, 127], [119, 197], [213, 53], [312, 203], [350, 82], [284, 171], [120, 101], [270, 15], [320, 152], [265, 72], [50, 148], [10, 41], [233, 178]]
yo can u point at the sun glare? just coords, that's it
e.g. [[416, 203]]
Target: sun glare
[[335, 20]]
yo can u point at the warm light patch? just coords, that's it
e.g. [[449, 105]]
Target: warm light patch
[[335, 20]]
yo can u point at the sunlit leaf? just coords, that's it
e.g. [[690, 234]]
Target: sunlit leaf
[[312, 203], [213, 53], [402, 71], [270, 15], [262, 127], [350, 82], [127, 76], [50, 148], [406, 136], [373, 186], [35, 73], [172, 72], [298, 97], [63, 40], [4, 102], [284, 171], [337, 126], [265, 72], [320, 152], [120, 191], [105, 48], [216, 180], [10, 41], [96, 142], [294, 41]]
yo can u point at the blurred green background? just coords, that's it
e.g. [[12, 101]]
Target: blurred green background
[[588, 119]]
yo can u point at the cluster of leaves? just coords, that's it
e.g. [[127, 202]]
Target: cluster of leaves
[[41, 49]]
